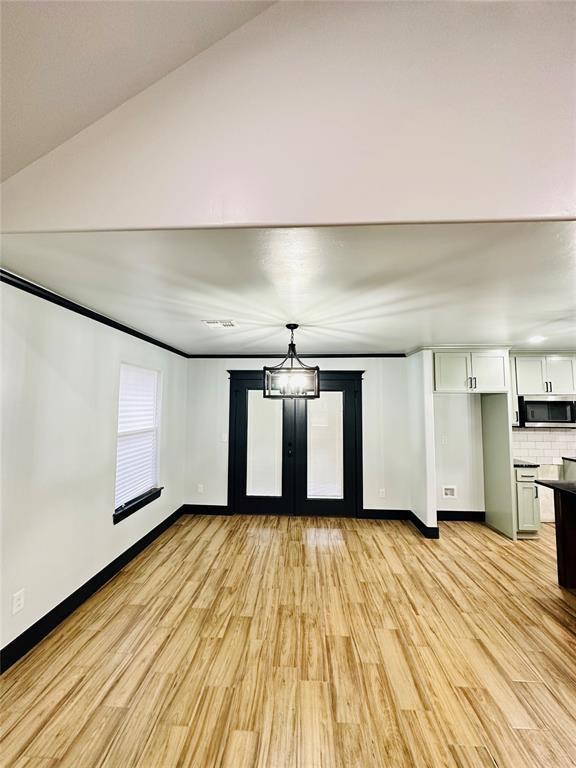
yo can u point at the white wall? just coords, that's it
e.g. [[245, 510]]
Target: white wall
[[421, 451], [385, 433], [459, 460], [59, 411], [333, 112]]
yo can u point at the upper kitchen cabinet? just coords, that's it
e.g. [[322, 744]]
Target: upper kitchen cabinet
[[561, 374], [490, 371], [531, 375], [452, 371], [541, 375], [481, 371]]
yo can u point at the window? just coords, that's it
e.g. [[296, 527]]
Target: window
[[137, 444]]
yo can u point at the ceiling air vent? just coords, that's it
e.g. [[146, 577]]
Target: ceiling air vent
[[220, 323]]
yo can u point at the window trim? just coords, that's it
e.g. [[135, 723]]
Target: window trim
[[129, 507], [133, 505]]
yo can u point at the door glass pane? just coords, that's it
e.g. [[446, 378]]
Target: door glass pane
[[264, 446], [325, 447]]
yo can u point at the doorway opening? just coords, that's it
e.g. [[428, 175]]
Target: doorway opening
[[296, 457]]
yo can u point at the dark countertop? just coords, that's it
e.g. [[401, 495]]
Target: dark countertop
[[569, 458], [565, 486], [519, 463]]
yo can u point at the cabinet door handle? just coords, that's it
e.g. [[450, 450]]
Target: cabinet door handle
[[516, 416], [535, 491], [545, 386], [550, 384], [469, 382], [474, 379]]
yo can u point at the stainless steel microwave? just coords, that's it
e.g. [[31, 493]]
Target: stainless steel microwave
[[546, 411]]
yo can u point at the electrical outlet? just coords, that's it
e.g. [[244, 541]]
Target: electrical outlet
[[382, 493], [18, 601], [200, 488], [449, 492]]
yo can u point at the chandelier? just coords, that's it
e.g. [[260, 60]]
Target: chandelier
[[292, 379]]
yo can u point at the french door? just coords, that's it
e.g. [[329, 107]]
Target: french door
[[296, 457]]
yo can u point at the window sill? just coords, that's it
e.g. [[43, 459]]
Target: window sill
[[133, 506]]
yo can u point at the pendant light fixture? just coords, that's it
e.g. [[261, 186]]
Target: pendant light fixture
[[292, 379]]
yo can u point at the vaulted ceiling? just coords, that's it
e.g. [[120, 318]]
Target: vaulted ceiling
[[66, 63], [359, 289]]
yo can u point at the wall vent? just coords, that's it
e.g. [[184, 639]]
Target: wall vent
[[220, 323], [449, 492]]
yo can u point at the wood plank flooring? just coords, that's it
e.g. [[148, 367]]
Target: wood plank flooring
[[278, 642]]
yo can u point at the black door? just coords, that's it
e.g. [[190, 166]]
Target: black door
[[296, 457]]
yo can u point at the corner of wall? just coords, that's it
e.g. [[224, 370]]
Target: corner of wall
[[422, 438]]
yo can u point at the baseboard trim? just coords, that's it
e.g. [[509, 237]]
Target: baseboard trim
[[20, 646], [386, 514], [368, 514], [452, 514], [205, 509], [401, 514], [429, 532]]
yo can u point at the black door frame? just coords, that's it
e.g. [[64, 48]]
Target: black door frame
[[240, 381]]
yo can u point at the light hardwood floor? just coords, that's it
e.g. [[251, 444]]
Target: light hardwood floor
[[276, 642]]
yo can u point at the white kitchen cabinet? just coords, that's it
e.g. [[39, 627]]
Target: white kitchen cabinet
[[481, 371], [546, 374], [560, 374], [452, 371], [489, 371], [531, 375], [528, 507], [513, 397]]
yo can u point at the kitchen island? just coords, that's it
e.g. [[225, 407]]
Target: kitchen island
[[565, 518]]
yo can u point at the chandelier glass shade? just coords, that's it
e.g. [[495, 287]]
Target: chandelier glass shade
[[292, 379]]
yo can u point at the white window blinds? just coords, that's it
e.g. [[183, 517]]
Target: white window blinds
[[137, 447]]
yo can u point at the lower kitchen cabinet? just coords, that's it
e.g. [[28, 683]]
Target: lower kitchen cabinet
[[528, 507]]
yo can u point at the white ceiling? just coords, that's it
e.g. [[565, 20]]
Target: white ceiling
[[359, 289], [66, 63]]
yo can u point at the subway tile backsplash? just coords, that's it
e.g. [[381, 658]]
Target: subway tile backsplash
[[544, 446]]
